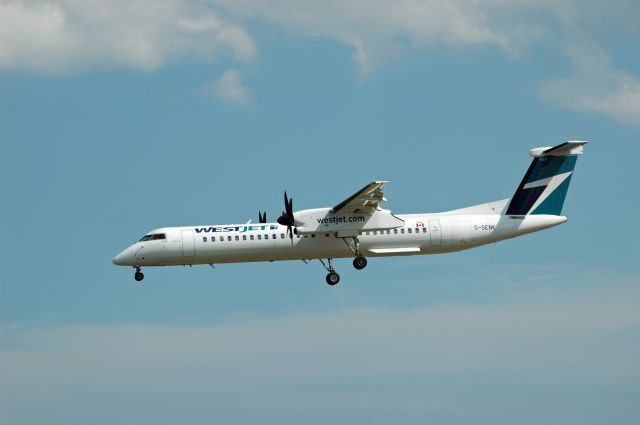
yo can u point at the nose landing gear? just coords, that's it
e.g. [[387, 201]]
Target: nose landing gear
[[332, 278], [138, 276]]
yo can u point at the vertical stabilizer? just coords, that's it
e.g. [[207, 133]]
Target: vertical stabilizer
[[544, 186]]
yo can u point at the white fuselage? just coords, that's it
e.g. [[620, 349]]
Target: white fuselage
[[420, 234]]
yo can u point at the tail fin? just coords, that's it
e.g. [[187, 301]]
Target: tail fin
[[544, 187]]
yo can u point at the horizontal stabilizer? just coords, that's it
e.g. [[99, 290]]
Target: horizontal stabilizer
[[564, 149]]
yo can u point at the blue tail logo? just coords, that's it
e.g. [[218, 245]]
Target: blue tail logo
[[544, 186]]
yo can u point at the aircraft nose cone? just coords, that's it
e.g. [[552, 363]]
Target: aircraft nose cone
[[123, 259], [118, 260]]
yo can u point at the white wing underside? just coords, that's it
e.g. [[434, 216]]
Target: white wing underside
[[365, 201]]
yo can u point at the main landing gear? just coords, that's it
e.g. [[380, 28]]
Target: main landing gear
[[333, 277], [360, 262], [138, 276]]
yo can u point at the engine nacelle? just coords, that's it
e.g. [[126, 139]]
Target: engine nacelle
[[324, 220]]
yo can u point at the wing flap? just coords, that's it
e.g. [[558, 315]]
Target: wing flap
[[366, 200]]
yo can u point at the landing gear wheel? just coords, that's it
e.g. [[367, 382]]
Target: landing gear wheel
[[333, 278], [138, 276], [359, 262]]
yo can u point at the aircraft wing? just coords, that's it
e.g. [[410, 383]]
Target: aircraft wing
[[364, 201]]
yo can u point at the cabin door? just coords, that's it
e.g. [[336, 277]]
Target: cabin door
[[188, 243], [435, 232]]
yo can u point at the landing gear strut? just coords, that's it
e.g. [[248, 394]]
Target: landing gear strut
[[360, 262], [333, 277], [138, 276]]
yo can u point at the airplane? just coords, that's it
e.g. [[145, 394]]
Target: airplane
[[359, 227]]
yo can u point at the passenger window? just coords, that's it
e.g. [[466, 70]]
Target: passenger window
[[402, 230], [360, 233], [375, 232], [281, 235], [327, 235], [424, 230], [273, 236], [251, 237], [259, 237], [395, 231], [266, 237], [213, 238], [244, 237], [409, 230], [204, 239], [237, 237], [229, 238]]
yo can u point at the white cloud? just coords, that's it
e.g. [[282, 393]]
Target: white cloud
[[595, 86], [72, 35], [451, 361], [373, 27], [378, 29], [230, 89], [379, 25], [54, 36]]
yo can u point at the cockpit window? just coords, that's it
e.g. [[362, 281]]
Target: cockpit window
[[153, 237]]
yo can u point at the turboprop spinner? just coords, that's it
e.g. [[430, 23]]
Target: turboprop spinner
[[286, 219]]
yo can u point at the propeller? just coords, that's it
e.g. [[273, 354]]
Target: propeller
[[262, 217], [286, 219]]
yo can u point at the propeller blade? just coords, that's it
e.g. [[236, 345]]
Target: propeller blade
[[283, 219], [286, 219], [290, 209], [262, 217]]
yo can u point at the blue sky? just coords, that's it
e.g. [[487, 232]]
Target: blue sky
[[120, 117]]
